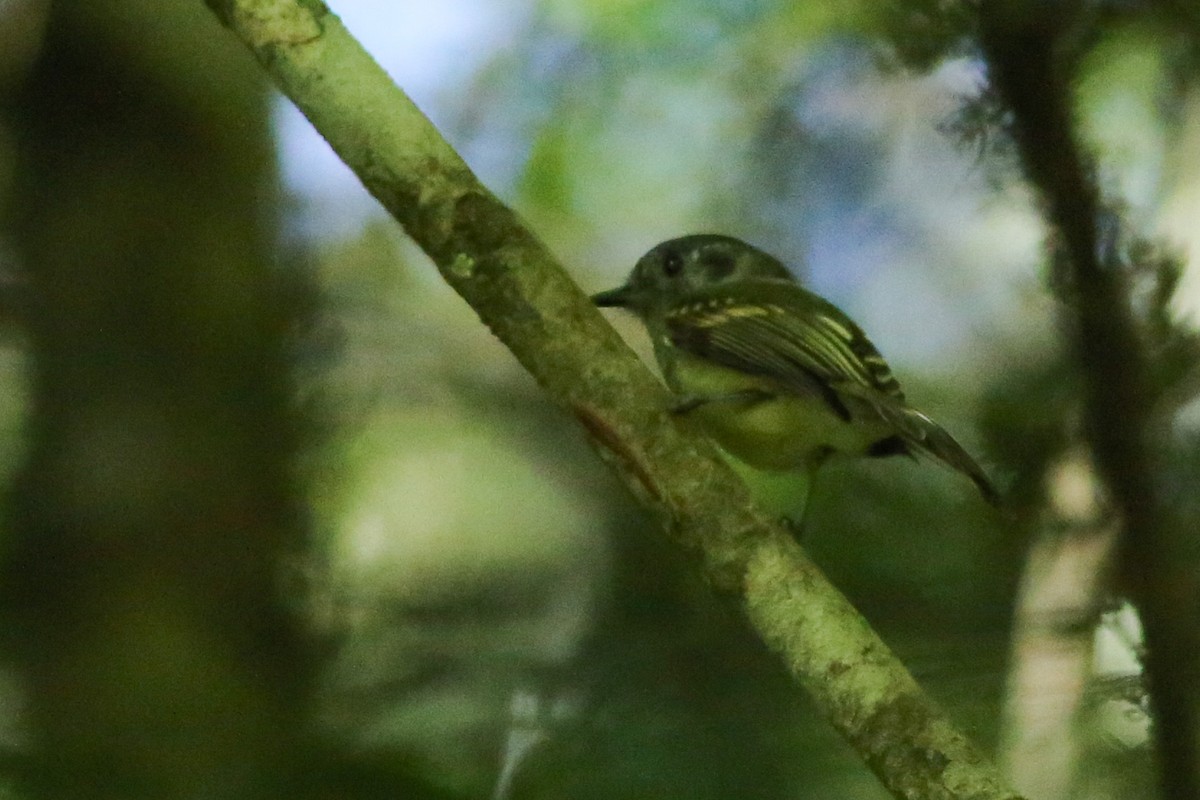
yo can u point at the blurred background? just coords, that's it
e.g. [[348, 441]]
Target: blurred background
[[282, 516]]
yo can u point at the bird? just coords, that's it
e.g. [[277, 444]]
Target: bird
[[778, 376]]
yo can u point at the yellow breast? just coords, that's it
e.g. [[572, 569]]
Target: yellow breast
[[788, 431]]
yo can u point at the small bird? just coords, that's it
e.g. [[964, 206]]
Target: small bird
[[779, 377]]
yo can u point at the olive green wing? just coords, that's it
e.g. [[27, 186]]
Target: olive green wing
[[778, 330]]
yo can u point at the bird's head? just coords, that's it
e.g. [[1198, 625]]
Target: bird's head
[[673, 270]]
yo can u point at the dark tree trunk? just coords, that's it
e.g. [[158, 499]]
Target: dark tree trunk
[[147, 525]]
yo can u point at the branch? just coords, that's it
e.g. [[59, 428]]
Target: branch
[[529, 302], [1031, 64]]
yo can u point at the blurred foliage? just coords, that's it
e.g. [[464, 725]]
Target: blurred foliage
[[475, 572], [144, 530]]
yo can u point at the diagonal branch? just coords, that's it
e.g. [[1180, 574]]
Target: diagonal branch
[[527, 300]]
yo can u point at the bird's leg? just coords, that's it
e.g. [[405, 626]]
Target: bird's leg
[[793, 526], [798, 527], [690, 402]]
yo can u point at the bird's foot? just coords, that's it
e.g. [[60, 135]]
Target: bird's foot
[[795, 527]]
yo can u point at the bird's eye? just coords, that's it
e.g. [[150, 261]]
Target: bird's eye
[[672, 264]]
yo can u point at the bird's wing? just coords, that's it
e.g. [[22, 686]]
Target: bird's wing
[[778, 330], [936, 441]]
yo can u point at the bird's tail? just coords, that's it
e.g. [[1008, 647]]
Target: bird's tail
[[926, 436]]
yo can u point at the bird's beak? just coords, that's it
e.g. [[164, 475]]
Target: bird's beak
[[613, 298]]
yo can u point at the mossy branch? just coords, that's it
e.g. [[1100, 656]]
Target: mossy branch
[[527, 300]]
